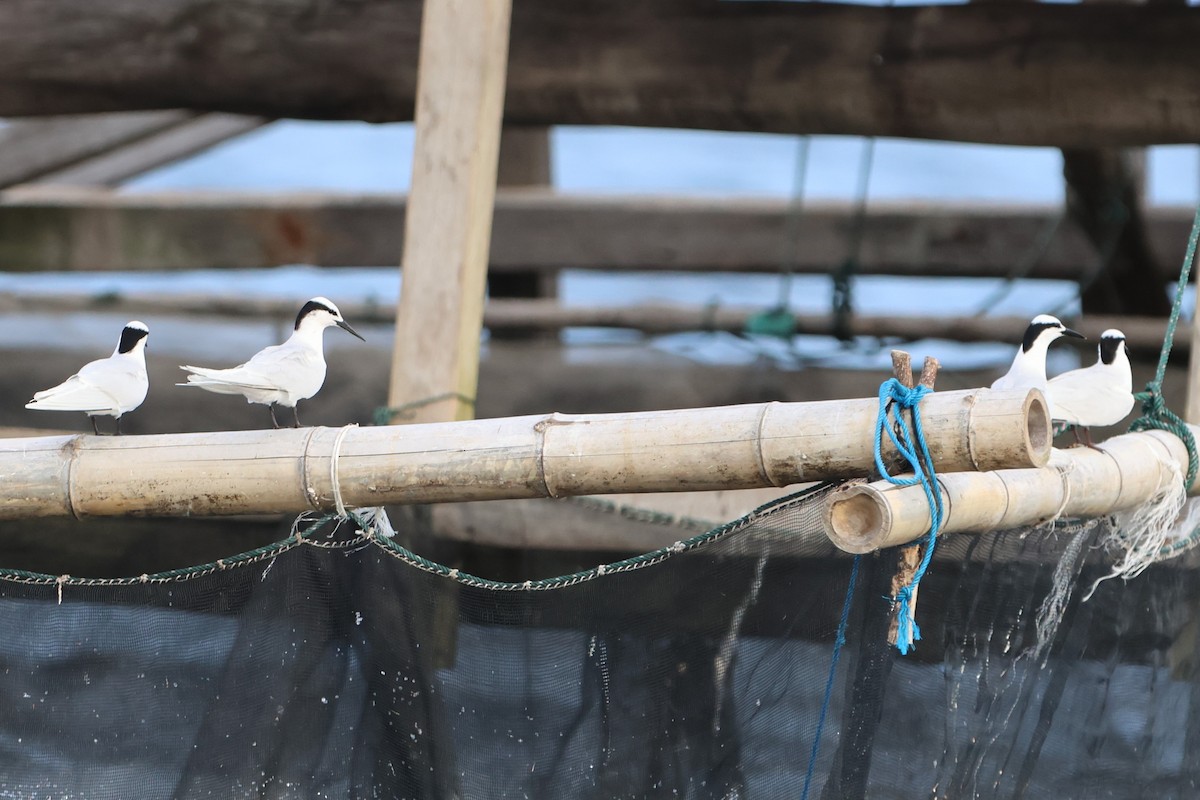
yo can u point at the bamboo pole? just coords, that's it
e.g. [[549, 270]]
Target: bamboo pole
[[556, 455], [1122, 473]]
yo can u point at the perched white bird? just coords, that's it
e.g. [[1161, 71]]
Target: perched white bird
[[283, 374], [1099, 395], [107, 387], [1028, 370]]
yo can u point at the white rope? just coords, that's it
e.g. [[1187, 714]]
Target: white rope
[[333, 469], [1139, 535]]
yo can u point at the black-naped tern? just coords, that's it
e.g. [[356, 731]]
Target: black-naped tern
[[110, 386], [283, 374], [1028, 370], [1098, 395]]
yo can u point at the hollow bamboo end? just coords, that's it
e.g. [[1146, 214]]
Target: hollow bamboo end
[[856, 520], [1039, 429]]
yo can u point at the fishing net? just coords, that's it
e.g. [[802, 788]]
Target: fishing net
[[337, 664]]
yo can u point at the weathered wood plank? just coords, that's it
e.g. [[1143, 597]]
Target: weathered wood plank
[[59, 229], [460, 105], [159, 148], [1033, 74], [1144, 335], [30, 149]]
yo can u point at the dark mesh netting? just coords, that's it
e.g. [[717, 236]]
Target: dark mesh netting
[[340, 667]]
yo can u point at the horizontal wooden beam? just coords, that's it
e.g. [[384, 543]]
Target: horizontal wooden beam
[[555, 455], [56, 228], [1144, 335], [1024, 73]]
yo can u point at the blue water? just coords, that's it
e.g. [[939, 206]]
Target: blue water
[[297, 155]]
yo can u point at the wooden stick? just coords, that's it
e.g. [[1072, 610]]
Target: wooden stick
[[1126, 471], [929, 372], [902, 367], [910, 557], [556, 455]]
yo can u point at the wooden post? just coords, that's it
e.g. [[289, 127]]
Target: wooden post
[[1191, 413], [524, 163], [460, 100]]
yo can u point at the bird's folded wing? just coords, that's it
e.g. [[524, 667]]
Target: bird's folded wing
[[73, 394], [239, 377], [279, 365]]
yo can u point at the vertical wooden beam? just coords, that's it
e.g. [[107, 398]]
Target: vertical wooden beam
[[524, 163], [460, 100], [1191, 411], [524, 156], [1105, 198]]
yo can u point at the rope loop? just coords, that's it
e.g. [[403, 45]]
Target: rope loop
[[1156, 416]]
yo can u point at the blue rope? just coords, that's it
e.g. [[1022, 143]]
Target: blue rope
[[838, 643], [894, 397]]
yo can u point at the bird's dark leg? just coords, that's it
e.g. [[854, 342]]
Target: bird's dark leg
[[1079, 440], [1088, 434], [296, 414], [95, 427], [274, 422], [118, 426]]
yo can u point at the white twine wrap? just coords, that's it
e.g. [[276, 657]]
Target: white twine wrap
[[334, 482]]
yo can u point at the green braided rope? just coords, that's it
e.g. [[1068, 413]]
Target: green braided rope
[[1155, 413], [384, 415], [313, 521]]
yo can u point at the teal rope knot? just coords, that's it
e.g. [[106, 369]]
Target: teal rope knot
[[778, 322], [1156, 416], [894, 397]]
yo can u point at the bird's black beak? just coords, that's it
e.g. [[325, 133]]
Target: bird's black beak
[[1066, 332], [341, 323]]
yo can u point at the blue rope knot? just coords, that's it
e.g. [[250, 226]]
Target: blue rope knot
[[907, 629], [895, 397]]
